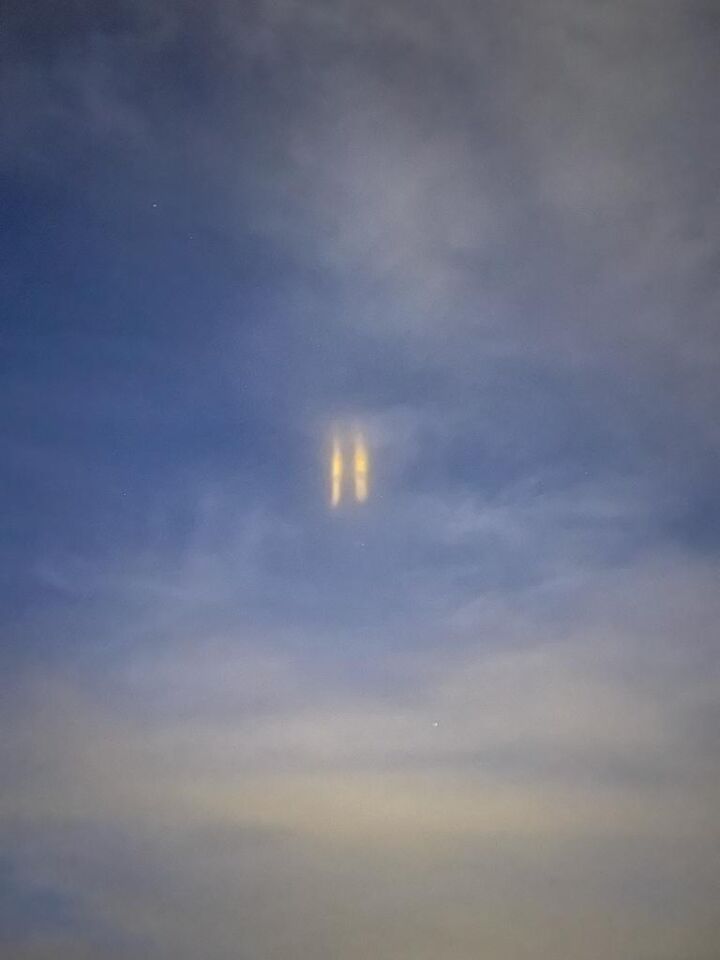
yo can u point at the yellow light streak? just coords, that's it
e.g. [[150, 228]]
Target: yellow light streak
[[360, 463], [336, 473]]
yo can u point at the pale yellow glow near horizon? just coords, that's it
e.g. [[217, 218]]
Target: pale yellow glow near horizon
[[361, 469], [336, 473]]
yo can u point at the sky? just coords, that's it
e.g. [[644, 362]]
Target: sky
[[477, 715]]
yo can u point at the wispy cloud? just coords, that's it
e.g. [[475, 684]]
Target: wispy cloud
[[478, 718], [556, 734]]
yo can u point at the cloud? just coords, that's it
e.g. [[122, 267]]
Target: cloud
[[478, 718], [215, 775], [511, 185], [579, 686]]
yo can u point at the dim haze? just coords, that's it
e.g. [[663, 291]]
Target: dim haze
[[361, 378]]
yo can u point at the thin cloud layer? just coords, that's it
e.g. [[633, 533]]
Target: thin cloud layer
[[476, 715], [554, 736]]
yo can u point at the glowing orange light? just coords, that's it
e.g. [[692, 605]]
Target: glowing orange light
[[336, 473], [349, 466], [360, 464]]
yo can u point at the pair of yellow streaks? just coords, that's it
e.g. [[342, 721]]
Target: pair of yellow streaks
[[359, 467]]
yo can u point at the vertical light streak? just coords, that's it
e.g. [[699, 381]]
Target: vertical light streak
[[336, 473], [360, 463]]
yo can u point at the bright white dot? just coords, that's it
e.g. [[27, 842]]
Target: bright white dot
[[436, 723]]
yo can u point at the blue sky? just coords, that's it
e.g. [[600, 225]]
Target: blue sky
[[478, 714]]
